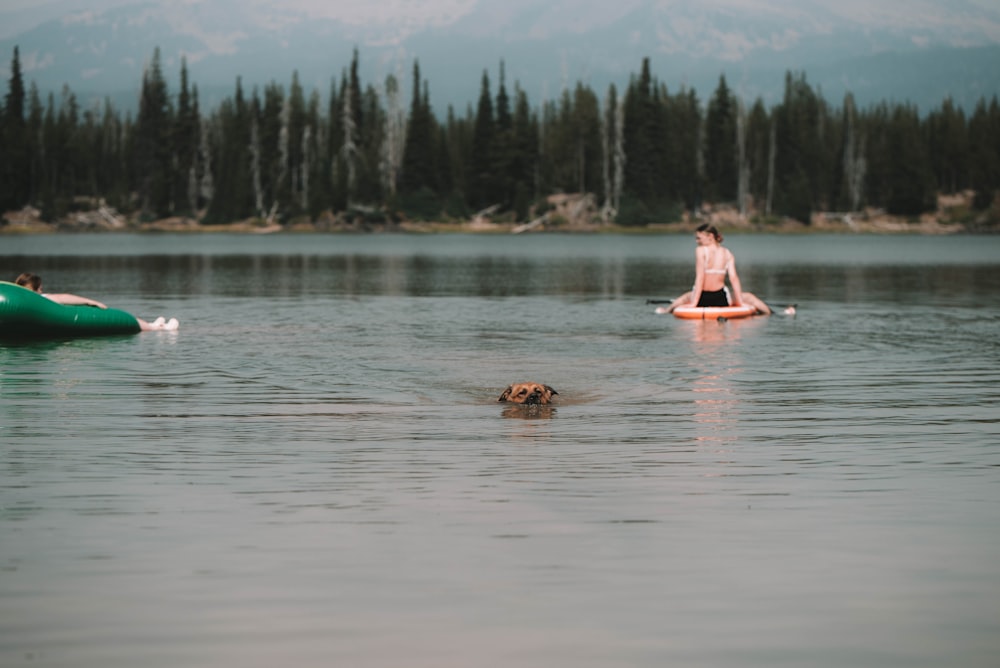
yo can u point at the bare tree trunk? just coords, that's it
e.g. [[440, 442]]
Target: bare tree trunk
[[207, 186], [606, 123], [772, 150], [283, 145], [255, 167], [860, 171], [854, 160], [537, 169], [612, 142], [192, 190], [304, 168], [394, 137], [192, 185], [742, 166], [350, 147], [619, 175]]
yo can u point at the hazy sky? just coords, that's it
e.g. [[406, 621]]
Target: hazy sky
[[374, 10], [19, 15]]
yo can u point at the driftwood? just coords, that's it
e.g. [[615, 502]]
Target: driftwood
[[481, 217], [537, 222], [488, 211], [110, 218]]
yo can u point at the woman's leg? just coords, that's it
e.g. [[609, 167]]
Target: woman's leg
[[752, 299], [683, 300], [158, 324]]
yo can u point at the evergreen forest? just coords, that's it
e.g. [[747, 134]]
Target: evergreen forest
[[646, 153]]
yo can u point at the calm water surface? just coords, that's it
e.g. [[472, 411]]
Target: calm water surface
[[314, 470]]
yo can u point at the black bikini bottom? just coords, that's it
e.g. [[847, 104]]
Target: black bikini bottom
[[717, 298]]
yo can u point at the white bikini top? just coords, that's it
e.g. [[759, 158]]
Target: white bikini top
[[723, 271]]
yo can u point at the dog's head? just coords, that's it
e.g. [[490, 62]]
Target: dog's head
[[528, 393]]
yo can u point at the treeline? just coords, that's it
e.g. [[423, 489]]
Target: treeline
[[646, 153]]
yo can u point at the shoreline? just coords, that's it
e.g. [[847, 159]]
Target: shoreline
[[891, 226], [954, 215]]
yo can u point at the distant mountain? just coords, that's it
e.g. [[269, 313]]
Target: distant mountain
[[917, 51]]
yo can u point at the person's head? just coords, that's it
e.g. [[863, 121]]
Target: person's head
[[30, 281], [710, 230]]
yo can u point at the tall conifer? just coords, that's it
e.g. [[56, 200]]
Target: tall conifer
[[482, 191], [14, 146], [153, 146]]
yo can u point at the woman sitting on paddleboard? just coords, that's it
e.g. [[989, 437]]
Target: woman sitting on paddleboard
[[713, 264]]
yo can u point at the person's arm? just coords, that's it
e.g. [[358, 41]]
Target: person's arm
[[699, 276], [734, 281], [74, 300]]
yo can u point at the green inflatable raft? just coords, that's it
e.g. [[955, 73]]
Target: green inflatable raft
[[25, 314]]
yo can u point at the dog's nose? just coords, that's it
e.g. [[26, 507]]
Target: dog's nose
[[533, 398]]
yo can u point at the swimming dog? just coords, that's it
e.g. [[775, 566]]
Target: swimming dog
[[528, 393]]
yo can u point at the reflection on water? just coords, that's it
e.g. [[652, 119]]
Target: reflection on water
[[315, 469], [523, 412], [777, 268], [716, 403]]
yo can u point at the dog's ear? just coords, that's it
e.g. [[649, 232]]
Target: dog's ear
[[506, 393], [551, 390]]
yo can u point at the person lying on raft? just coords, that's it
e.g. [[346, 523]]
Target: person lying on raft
[[713, 264], [34, 282]]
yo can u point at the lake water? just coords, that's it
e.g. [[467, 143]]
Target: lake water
[[314, 470]]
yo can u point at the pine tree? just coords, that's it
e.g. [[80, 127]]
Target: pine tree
[[335, 176], [457, 140], [523, 156], [34, 147], [720, 145], [639, 170], [503, 147], [69, 149], [482, 191], [911, 181], [586, 124], [686, 176], [948, 144], [758, 153], [800, 161], [185, 142], [113, 167], [317, 188], [15, 188], [418, 165], [644, 141], [372, 131], [153, 145]]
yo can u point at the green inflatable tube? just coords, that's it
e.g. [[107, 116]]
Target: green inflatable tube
[[25, 314]]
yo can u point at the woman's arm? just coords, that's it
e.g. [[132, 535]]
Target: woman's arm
[[734, 281], [75, 300], [699, 276]]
